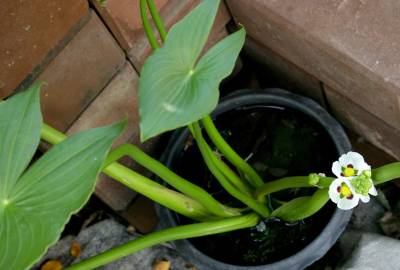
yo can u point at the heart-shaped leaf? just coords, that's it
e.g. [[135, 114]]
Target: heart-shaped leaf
[[35, 207], [175, 87]]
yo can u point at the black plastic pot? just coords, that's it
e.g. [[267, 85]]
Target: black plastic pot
[[335, 226]]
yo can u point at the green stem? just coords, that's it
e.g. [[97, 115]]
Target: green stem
[[379, 175], [228, 173], [164, 196], [146, 25], [290, 182], [157, 19], [172, 179], [169, 198], [386, 173], [226, 184], [220, 165], [253, 177], [171, 234], [52, 135]]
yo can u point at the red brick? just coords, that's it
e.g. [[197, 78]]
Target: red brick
[[79, 73], [32, 32], [364, 123], [118, 101], [287, 74], [172, 12], [352, 46], [123, 18]]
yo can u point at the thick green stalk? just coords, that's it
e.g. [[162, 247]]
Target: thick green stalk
[[386, 173], [157, 19], [172, 179], [252, 176], [52, 135], [164, 196], [169, 198], [171, 234], [290, 182], [146, 25], [226, 184], [221, 166], [229, 174]]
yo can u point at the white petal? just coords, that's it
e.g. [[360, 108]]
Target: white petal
[[364, 199], [337, 169], [343, 160], [334, 195], [352, 158], [373, 191], [346, 204], [356, 158]]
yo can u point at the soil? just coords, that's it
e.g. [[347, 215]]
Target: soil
[[278, 142]]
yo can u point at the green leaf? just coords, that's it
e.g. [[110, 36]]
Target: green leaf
[[177, 88], [302, 207], [20, 123], [34, 211]]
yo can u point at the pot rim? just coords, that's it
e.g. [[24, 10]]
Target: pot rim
[[336, 225]]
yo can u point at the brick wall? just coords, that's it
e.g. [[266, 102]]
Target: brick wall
[[344, 54], [88, 57]]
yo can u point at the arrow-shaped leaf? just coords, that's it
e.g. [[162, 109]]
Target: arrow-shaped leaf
[[20, 123], [177, 88], [35, 208]]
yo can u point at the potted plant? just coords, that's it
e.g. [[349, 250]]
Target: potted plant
[[177, 88], [254, 122]]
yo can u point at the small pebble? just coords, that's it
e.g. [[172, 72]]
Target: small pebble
[[162, 265], [52, 265], [131, 229], [75, 250]]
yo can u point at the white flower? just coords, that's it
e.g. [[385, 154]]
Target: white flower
[[342, 193], [354, 181], [350, 164]]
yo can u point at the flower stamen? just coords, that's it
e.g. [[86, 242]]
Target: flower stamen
[[345, 191], [348, 171]]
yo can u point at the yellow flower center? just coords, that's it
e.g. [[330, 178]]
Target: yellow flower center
[[349, 172], [345, 191]]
